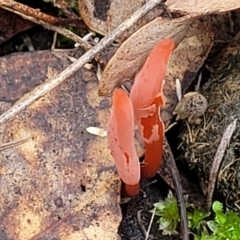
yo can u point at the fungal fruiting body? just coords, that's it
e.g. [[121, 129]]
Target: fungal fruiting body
[[147, 98], [152, 131], [120, 136]]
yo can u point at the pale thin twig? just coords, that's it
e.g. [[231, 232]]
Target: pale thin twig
[[197, 87], [217, 161], [54, 40], [46, 87], [170, 126], [8, 145], [140, 223], [150, 224]]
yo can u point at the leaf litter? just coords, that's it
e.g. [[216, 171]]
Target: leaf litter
[[74, 166], [39, 111]]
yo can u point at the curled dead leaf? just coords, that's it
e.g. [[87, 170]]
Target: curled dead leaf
[[185, 62], [133, 52], [202, 6], [105, 17]]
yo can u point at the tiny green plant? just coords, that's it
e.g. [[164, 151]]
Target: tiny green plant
[[218, 225], [197, 219], [204, 235], [168, 212], [226, 225]]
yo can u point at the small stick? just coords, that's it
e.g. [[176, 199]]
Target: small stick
[[46, 87], [150, 224], [168, 157], [140, 223], [28, 11], [8, 145], [43, 19], [218, 160]]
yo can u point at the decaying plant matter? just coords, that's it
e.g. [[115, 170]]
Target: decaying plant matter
[[200, 142]]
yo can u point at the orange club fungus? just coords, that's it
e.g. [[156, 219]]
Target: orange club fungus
[[144, 104], [147, 98], [120, 136]]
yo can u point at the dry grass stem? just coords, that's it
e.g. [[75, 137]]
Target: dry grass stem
[[150, 224], [218, 160], [140, 223], [8, 145]]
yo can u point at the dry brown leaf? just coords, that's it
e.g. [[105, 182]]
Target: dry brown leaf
[[185, 62], [12, 24], [105, 17], [19, 75], [133, 52], [62, 182], [202, 6]]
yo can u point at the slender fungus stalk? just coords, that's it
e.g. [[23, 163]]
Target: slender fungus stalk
[[147, 98], [152, 131], [120, 136]]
